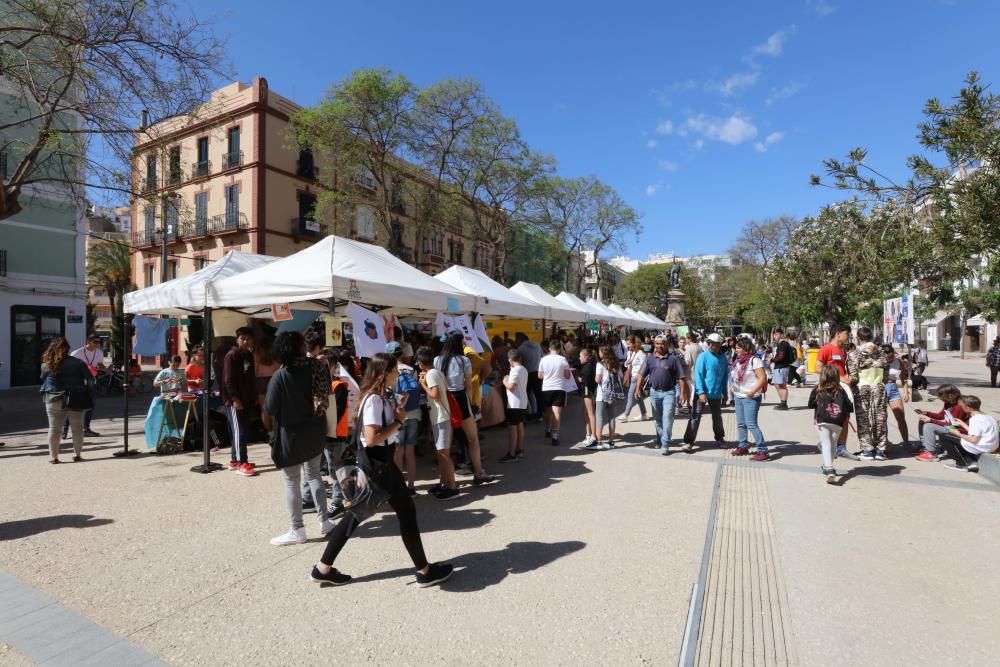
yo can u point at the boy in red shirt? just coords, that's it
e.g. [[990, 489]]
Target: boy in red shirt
[[834, 354]]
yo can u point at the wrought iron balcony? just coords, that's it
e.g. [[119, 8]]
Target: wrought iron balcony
[[307, 228], [144, 237], [230, 221], [201, 169], [232, 160]]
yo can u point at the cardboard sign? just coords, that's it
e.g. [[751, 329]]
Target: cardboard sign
[[281, 312]]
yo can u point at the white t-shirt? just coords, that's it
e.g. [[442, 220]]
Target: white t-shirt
[[93, 358], [553, 369], [894, 371], [749, 378], [602, 375], [518, 399], [375, 411], [439, 409], [636, 360], [459, 369], [985, 427]]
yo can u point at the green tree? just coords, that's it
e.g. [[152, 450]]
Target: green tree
[[645, 289], [109, 265]]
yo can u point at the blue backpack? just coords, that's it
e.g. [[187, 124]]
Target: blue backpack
[[408, 384]]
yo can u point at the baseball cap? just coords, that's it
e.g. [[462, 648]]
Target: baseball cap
[[714, 338], [394, 349]]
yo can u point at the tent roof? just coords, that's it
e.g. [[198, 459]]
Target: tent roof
[[630, 319], [644, 321], [653, 318], [606, 313], [556, 310], [188, 294], [575, 301], [345, 270], [492, 298]]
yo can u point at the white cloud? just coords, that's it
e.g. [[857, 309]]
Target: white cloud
[[769, 140], [666, 165], [733, 130], [783, 93], [652, 143], [775, 43], [665, 127], [821, 7], [736, 83], [652, 189]]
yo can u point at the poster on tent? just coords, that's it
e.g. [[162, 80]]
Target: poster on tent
[[369, 330], [445, 323], [899, 320], [334, 330]]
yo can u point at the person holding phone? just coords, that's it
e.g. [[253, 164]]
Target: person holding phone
[[981, 437]]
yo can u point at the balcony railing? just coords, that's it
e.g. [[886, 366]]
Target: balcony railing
[[201, 169], [232, 160], [307, 228], [148, 184], [147, 237], [230, 221]]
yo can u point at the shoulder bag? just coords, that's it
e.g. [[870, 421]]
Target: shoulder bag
[[365, 482]]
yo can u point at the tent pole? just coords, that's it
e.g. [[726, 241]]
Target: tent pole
[[126, 386], [206, 443]]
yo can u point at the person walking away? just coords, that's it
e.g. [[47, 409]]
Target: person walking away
[[531, 353], [93, 355], [866, 368], [239, 395], [633, 368], [920, 361], [664, 371], [781, 367], [380, 422], [554, 371], [457, 370], [516, 385], [981, 437], [832, 406], [933, 424], [65, 381], [337, 434], [834, 354], [171, 379], [993, 361], [435, 385], [710, 387], [794, 378], [692, 350], [588, 385], [610, 396], [747, 379], [408, 393], [897, 389], [296, 400]]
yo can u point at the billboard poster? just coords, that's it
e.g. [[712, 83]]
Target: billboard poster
[[899, 320]]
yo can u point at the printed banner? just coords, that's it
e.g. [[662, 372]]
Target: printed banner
[[899, 320], [369, 330]]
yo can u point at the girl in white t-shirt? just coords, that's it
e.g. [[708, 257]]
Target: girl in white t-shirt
[[982, 437]]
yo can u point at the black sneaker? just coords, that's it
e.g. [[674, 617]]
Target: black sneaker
[[436, 573], [436, 489], [483, 479], [447, 494], [519, 453], [781, 406], [548, 433], [507, 458], [65, 435], [308, 507], [335, 510], [334, 577], [555, 442], [91, 434]]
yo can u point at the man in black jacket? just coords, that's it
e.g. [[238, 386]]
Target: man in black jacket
[[239, 394], [781, 365]]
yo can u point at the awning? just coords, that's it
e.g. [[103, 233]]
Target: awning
[[977, 321], [574, 301], [555, 309], [939, 317], [492, 298]]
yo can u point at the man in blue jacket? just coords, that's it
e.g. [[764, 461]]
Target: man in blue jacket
[[710, 373]]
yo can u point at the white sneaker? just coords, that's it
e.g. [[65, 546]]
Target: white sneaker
[[293, 536], [325, 527], [623, 420]]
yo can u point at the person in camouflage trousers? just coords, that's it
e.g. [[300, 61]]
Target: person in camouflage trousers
[[866, 367]]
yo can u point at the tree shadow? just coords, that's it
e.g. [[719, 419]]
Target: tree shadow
[[870, 471], [487, 568], [14, 530]]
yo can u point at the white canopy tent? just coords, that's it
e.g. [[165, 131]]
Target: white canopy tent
[[630, 320], [190, 294], [606, 313], [345, 270], [644, 322], [653, 318], [556, 310], [574, 301], [492, 298]]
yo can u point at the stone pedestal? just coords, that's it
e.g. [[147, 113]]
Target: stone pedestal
[[675, 308]]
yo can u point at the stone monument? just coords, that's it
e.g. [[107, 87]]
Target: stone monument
[[675, 298]]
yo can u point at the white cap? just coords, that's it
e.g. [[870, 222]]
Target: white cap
[[714, 338]]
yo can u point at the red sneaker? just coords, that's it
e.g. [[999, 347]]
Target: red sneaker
[[234, 465], [247, 470], [740, 451], [760, 456], [926, 455]]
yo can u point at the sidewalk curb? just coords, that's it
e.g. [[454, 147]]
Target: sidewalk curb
[[989, 467]]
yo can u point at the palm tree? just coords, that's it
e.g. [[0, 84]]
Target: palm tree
[[109, 265]]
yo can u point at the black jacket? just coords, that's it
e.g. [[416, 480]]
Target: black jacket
[[72, 374], [299, 433]]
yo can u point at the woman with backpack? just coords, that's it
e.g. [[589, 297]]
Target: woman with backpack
[[832, 407], [65, 390], [610, 397], [380, 420]]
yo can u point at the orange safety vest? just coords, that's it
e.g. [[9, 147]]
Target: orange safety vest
[[341, 416]]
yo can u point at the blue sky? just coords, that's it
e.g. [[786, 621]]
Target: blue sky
[[702, 115]]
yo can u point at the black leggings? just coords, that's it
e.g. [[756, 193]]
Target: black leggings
[[401, 503], [959, 454]]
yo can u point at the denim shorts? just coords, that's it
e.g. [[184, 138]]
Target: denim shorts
[[892, 392], [408, 433]]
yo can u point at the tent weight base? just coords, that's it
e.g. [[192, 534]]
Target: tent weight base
[[125, 452], [205, 469]]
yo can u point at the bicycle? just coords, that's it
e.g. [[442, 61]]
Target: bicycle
[[113, 381]]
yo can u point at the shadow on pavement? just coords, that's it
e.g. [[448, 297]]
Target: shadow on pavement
[[487, 568], [779, 449], [13, 530], [537, 471], [43, 450], [871, 471], [386, 525]]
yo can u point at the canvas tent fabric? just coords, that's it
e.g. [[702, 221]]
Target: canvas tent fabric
[[344, 270], [607, 314], [643, 322], [555, 310], [492, 298], [627, 318], [575, 301], [193, 292], [653, 318]]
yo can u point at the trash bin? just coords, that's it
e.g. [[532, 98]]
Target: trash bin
[[812, 354]]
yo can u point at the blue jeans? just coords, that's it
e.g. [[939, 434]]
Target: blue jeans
[[663, 414], [631, 401], [746, 420]]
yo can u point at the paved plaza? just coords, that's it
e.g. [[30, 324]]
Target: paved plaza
[[576, 557]]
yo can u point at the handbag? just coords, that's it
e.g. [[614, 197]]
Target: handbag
[[365, 482], [77, 399], [454, 411]]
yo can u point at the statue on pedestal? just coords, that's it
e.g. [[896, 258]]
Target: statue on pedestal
[[675, 276], [675, 297]]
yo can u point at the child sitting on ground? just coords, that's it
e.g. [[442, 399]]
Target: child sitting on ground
[[934, 423], [832, 408], [982, 437]]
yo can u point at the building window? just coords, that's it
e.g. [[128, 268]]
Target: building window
[[397, 235], [150, 274], [173, 219], [365, 179], [174, 170], [151, 171], [200, 263], [172, 269], [201, 212], [364, 220], [233, 157], [305, 167], [307, 214], [201, 167], [232, 206]]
